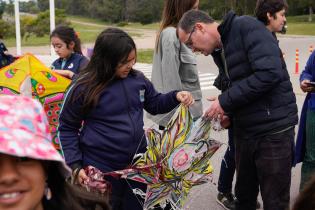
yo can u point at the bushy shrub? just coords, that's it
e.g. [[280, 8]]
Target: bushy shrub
[[122, 24], [40, 25], [7, 29]]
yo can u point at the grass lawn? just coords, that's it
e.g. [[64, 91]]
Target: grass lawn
[[145, 56], [31, 41], [300, 18], [299, 25], [88, 30], [305, 28]]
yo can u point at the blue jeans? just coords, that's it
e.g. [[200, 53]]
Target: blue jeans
[[227, 166]]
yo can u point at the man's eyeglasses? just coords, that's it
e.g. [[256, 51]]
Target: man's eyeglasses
[[189, 42]]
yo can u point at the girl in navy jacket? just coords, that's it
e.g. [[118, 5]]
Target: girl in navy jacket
[[305, 143], [109, 97], [67, 45]]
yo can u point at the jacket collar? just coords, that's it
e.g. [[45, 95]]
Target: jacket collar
[[225, 27]]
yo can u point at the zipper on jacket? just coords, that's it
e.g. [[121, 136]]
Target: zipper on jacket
[[268, 112], [128, 110], [224, 64]]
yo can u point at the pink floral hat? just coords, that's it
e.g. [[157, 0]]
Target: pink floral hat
[[24, 130]]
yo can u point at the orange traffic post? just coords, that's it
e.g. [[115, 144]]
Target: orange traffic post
[[311, 49], [297, 61]]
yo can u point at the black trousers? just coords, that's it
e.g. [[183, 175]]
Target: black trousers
[[227, 169], [264, 163]]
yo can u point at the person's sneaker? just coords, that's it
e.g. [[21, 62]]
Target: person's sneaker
[[226, 200]]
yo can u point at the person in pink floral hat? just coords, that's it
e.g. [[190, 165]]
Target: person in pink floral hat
[[32, 173]]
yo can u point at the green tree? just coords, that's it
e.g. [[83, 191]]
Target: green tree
[[144, 11], [9, 8], [309, 4], [29, 7], [43, 5], [40, 25], [7, 29], [2, 8]]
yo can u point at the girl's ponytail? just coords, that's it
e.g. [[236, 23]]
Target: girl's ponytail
[[77, 43]]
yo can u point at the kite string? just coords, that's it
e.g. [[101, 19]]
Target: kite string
[[151, 126]]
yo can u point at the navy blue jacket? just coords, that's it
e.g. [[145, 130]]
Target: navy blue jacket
[[113, 130], [2, 48], [309, 103], [4, 59], [259, 94], [75, 63]]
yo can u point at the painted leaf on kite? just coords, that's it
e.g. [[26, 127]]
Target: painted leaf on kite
[[175, 160], [28, 76]]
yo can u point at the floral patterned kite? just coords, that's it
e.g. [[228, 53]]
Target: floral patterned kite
[[175, 161]]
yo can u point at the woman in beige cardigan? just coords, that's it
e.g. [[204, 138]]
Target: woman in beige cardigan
[[174, 64]]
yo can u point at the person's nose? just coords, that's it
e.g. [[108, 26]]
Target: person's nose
[[130, 64], [8, 171]]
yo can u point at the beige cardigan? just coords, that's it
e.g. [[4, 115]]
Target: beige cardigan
[[174, 68]]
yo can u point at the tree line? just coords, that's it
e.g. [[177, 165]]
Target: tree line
[[146, 11], [122, 11]]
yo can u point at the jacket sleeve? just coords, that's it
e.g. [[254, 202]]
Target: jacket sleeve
[[263, 55], [70, 122], [3, 47], [158, 103], [170, 63], [309, 68]]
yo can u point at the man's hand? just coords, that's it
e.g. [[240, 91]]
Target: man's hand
[[225, 121], [215, 110], [185, 98]]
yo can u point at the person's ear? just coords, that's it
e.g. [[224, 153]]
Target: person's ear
[[200, 27], [269, 16], [71, 45]]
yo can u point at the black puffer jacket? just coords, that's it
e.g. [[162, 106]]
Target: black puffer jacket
[[260, 95]]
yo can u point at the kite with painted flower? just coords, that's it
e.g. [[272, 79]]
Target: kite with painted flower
[[175, 160], [28, 76]]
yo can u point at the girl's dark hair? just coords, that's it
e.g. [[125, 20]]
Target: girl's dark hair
[[66, 196], [112, 47], [271, 6], [172, 13], [67, 35]]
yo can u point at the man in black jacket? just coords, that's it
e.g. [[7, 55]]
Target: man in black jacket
[[260, 98]]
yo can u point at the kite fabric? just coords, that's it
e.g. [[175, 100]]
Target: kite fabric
[[175, 160], [28, 76]]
